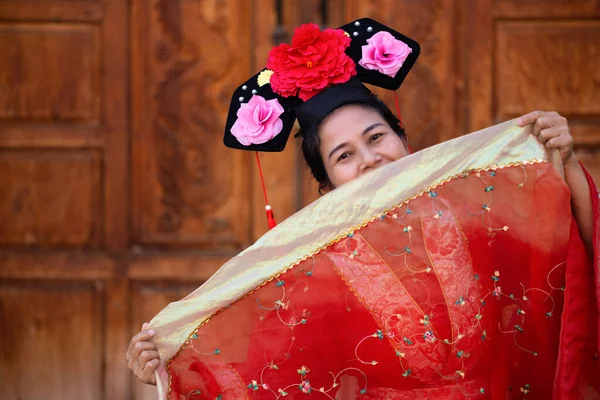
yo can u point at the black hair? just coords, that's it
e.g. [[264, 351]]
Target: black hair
[[311, 140]]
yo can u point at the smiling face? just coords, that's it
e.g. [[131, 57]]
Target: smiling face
[[354, 140]]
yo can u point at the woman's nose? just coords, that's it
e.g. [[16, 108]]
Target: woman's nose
[[370, 159]]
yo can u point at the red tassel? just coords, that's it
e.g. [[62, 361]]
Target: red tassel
[[270, 217]]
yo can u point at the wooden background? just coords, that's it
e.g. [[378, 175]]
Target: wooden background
[[116, 195]]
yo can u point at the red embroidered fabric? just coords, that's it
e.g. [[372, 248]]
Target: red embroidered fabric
[[478, 288]]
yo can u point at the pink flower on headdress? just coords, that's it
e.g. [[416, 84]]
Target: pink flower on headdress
[[314, 61], [258, 121], [384, 53]]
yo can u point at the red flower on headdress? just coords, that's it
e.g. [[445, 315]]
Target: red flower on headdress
[[314, 61]]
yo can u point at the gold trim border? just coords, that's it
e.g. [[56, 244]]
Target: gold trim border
[[338, 239]]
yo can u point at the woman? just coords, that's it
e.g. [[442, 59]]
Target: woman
[[347, 133]]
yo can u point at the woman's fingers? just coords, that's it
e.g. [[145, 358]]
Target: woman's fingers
[[147, 373], [147, 355], [142, 355], [143, 336], [534, 116], [543, 123], [138, 348], [562, 142], [551, 129], [549, 133], [529, 118]]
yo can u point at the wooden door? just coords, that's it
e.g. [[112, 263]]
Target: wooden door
[[116, 194], [63, 198], [521, 56]]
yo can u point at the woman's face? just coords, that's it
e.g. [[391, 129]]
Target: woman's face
[[355, 140]]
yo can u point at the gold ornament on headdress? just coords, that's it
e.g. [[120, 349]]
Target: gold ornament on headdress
[[264, 77]]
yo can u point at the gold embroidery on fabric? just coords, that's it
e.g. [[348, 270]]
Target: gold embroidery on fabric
[[340, 237], [412, 299]]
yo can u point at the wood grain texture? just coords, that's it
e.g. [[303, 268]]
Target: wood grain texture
[[175, 267], [477, 51], [115, 126], [116, 338], [544, 9], [547, 66], [50, 199], [71, 136], [52, 10], [52, 348], [520, 58], [189, 190], [49, 72], [57, 265], [64, 199]]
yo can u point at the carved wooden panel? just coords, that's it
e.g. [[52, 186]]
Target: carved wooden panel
[[547, 65], [49, 72], [51, 345], [189, 190], [428, 96], [147, 300], [53, 10], [550, 66], [546, 8], [50, 199], [64, 198], [520, 58]]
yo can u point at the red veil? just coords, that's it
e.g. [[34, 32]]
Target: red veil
[[455, 273]]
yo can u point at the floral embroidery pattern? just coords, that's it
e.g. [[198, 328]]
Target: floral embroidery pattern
[[486, 208], [436, 310], [283, 304], [304, 386]]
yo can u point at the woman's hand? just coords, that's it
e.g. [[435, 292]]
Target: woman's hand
[[552, 130], [142, 356]]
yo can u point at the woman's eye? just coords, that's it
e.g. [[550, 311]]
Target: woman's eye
[[343, 156], [375, 137]]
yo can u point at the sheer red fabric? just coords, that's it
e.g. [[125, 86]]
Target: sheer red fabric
[[477, 288]]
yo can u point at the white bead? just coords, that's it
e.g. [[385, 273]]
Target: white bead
[[370, 29], [355, 34], [244, 87], [241, 98], [254, 91], [357, 23], [268, 208]]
